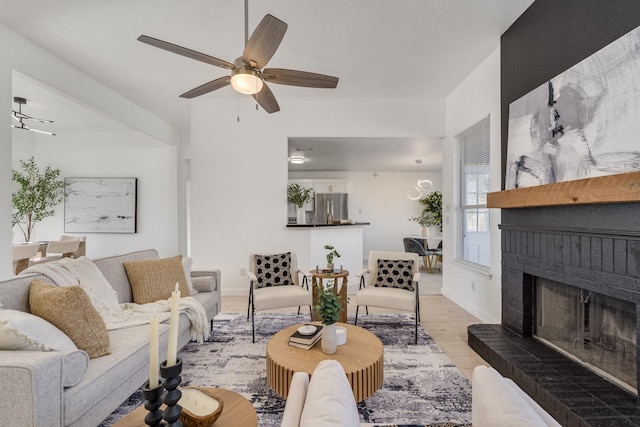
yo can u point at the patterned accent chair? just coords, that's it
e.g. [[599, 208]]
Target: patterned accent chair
[[391, 281], [275, 283]]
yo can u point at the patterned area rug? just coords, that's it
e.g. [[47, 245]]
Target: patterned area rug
[[421, 384]]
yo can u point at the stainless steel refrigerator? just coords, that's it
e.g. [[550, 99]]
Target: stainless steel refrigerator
[[334, 203]]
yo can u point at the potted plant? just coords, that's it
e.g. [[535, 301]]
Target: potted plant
[[332, 253], [433, 203], [299, 196], [36, 195], [328, 307]]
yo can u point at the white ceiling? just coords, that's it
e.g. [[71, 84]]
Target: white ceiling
[[366, 43]]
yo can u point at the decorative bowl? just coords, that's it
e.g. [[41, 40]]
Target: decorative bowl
[[199, 407]]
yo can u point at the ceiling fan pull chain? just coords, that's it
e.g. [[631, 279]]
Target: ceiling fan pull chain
[[238, 107]]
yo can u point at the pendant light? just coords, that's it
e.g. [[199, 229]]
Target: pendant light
[[416, 192]]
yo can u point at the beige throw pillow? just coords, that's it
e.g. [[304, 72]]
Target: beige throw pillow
[[154, 280], [69, 309]]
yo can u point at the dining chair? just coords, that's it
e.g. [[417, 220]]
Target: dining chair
[[414, 246], [390, 281], [274, 282], [57, 249], [21, 255], [82, 247]]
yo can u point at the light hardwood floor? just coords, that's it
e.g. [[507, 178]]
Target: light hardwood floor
[[445, 321]]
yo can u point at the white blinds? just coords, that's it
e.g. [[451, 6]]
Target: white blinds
[[475, 164]]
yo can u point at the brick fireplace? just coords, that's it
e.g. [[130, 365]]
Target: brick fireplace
[[594, 248]]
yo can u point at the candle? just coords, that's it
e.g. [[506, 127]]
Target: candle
[[172, 350], [153, 353]]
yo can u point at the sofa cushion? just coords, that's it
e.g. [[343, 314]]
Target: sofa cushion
[[154, 280], [26, 332], [396, 273], [69, 309], [330, 400], [187, 262], [273, 270]]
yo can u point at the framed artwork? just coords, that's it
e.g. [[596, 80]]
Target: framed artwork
[[100, 205], [582, 123]]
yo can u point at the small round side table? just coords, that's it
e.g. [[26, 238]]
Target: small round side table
[[318, 277]]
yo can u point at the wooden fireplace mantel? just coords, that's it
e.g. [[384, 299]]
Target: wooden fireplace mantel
[[618, 188]]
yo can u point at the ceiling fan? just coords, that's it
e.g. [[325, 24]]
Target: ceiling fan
[[248, 74], [21, 117]]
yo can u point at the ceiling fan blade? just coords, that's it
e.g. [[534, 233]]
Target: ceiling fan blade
[[207, 87], [298, 78], [174, 48], [264, 41], [267, 100]]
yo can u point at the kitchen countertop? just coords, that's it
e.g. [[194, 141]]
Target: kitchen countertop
[[325, 225]]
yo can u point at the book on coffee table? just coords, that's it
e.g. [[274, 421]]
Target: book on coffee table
[[307, 340], [307, 346]]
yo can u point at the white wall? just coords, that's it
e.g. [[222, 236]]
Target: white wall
[[21, 55], [470, 102], [239, 170], [381, 199], [115, 155]]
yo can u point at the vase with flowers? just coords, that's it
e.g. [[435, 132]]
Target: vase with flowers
[[425, 219], [299, 196]]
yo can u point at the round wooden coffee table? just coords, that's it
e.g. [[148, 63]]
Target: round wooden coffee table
[[362, 358], [237, 411]]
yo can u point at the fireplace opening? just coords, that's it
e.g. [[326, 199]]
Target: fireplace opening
[[597, 330]]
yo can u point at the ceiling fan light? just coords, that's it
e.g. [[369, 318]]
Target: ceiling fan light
[[246, 81]]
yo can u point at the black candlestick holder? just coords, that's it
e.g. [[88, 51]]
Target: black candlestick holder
[[172, 395], [152, 403]]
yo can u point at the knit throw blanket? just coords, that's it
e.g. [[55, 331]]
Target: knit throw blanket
[[84, 273]]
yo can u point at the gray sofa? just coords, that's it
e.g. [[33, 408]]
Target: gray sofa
[[43, 389]]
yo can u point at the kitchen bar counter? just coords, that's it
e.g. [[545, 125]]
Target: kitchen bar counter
[[346, 238]]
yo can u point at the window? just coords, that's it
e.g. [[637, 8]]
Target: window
[[474, 235]]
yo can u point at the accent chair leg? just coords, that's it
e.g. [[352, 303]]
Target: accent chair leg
[[253, 323], [416, 339], [356, 321], [211, 328], [311, 313]]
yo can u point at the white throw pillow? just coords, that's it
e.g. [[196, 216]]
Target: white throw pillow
[[330, 400], [187, 262], [25, 332]]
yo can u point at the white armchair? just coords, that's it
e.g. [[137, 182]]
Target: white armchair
[[275, 283], [392, 285]]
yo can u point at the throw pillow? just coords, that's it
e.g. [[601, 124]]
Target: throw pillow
[[330, 400], [273, 270], [396, 273], [25, 332], [154, 280], [69, 309]]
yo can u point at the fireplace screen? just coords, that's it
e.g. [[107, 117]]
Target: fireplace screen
[[598, 330]]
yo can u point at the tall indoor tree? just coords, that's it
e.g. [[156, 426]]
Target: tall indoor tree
[[36, 195]]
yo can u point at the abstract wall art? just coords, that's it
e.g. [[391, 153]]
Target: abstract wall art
[[583, 123], [100, 205]]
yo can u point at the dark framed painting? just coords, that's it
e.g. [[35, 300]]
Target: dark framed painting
[[582, 123], [100, 205]]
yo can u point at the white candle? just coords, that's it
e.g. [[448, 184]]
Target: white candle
[[197, 402], [172, 350], [153, 353]]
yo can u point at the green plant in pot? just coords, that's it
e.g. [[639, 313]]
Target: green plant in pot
[[433, 203], [36, 195], [328, 306], [299, 196], [333, 253]]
